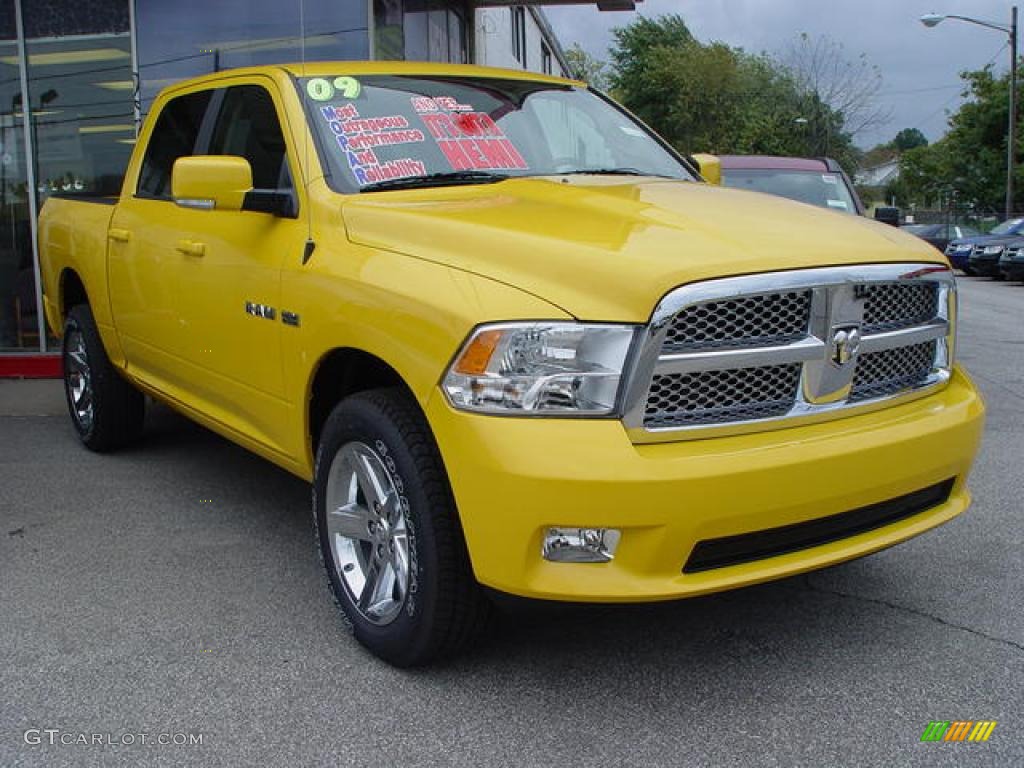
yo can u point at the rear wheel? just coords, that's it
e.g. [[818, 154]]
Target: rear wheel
[[107, 412], [389, 534]]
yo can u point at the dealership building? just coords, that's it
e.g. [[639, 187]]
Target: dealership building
[[78, 78]]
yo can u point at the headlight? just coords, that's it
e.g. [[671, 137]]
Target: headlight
[[540, 369], [993, 249], [964, 247]]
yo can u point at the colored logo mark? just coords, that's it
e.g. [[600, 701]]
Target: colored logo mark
[[958, 730]]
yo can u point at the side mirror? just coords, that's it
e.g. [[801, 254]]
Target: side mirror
[[211, 182], [710, 168], [887, 215]]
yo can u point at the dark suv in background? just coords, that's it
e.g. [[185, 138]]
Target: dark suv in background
[[940, 235], [980, 255], [1011, 263]]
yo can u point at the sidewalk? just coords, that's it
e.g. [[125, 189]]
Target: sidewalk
[[32, 397]]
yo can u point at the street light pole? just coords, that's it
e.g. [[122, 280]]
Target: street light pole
[[1011, 149], [930, 20]]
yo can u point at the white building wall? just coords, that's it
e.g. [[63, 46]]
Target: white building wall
[[494, 47]]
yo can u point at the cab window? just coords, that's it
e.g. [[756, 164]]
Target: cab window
[[248, 127], [175, 135]]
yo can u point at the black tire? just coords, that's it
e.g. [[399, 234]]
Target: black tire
[[117, 408], [443, 610], [969, 272]]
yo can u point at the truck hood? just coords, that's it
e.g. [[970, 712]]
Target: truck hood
[[608, 248]]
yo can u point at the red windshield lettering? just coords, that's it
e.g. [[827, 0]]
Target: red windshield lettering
[[456, 155]]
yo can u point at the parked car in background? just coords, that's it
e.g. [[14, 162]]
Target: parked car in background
[[818, 181], [939, 235], [1011, 263], [979, 255]]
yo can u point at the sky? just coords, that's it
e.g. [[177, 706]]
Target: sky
[[920, 66]]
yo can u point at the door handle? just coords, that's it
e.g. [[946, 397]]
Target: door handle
[[120, 235], [191, 248]]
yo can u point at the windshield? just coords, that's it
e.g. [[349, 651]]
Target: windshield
[[384, 128], [1008, 227], [826, 190]]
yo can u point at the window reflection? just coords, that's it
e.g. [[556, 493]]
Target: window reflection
[[387, 30], [82, 117], [429, 30], [18, 320], [194, 37]]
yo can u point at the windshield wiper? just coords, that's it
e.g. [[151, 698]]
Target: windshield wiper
[[436, 180], [613, 172]]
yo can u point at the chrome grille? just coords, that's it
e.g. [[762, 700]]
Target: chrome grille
[[890, 305], [747, 353], [891, 371], [711, 397], [766, 319]]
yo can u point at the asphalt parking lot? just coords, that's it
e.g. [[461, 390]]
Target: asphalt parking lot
[[175, 589]]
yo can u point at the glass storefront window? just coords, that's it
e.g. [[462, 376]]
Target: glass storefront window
[[388, 44], [19, 324], [429, 30], [80, 97], [82, 116], [66, 121], [456, 37], [195, 37]]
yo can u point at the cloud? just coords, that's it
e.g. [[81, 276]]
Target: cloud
[[920, 66]]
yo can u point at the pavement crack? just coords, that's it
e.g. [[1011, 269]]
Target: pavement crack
[[914, 612]]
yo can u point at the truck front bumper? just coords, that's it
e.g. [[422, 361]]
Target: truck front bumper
[[514, 478]]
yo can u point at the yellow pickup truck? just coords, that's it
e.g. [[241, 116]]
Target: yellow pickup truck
[[513, 340]]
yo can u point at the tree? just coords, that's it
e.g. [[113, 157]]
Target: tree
[[909, 138], [587, 68], [825, 76], [969, 162], [878, 154], [710, 97]]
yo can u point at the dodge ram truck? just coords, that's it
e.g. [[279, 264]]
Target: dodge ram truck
[[514, 341]]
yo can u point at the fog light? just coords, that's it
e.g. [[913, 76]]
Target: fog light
[[580, 545]]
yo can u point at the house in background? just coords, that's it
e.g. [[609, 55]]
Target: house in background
[[873, 181], [880, 175]]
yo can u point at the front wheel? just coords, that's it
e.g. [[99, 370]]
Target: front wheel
[[389, 533]]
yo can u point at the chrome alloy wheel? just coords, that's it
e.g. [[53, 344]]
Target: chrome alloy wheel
[[78, 379], [366, 526]]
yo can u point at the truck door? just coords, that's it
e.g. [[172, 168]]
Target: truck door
[[228, 274], [142, 261]]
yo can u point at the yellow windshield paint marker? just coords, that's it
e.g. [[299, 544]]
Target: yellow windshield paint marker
[[321, 89], [350, 87]]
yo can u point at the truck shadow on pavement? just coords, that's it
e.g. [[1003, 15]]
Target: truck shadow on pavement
[[748, 628]]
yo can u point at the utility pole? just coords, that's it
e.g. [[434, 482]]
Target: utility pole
[[1011, 141], [933, 19]]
